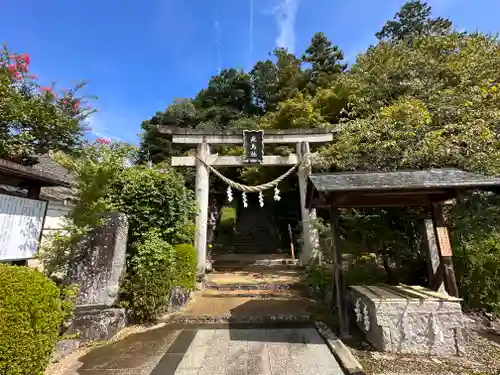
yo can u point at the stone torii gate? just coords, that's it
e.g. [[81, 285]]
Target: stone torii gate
[[301, 137]]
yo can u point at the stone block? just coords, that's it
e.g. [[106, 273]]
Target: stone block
[[178, 299], [100, 264], [64, 348], [410, 320], [97, 323]]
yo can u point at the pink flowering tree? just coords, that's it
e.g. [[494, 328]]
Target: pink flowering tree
[[34, 119]]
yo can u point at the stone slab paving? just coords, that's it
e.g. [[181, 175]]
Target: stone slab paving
[[217, 351], [291, 351]]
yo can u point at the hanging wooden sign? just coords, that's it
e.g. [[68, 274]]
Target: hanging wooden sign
[[444, 241], [253, 144]]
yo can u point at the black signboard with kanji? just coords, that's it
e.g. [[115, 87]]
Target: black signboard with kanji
[[253, 144]]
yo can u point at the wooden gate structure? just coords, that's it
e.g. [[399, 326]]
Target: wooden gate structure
[[203, 159]]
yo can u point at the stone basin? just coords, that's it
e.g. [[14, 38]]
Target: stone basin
[[409, 319]]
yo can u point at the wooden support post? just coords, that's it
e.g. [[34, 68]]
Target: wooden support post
[[309, 234], [202, 189], [433, 255], [445, 251], [34, 191], [338, 284]]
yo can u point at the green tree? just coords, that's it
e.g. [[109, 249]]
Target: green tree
[[411, 21], [95, 169], [158, 147], [325, 60], [274, 82], [414, 115], [229, 96], [35, 120]]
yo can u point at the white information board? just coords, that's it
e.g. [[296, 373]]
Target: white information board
[[21, 224]]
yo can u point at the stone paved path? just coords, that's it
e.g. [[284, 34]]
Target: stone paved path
[[216, 351]]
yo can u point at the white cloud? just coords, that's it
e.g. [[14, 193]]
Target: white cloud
[[285, 14], [99, 130]]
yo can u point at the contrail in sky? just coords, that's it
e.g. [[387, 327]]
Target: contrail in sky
[[250, 57], [217, 39]]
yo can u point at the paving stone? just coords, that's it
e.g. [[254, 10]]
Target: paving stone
[[194, 358], [245, 351], [187, 371], [258, 364], [203, 337], [330, 370]]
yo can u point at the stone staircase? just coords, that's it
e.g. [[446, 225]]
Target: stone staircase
[[255, 233], [253, 288]]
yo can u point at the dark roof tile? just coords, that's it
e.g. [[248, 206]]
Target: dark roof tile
[[401, 180]]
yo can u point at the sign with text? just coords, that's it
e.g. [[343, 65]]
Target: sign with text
[[253, 144], [444, 241], [21, 224]]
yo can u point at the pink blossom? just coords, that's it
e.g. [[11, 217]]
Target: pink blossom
[[103, 141], [22, 67], [46, 89], [23, 58]]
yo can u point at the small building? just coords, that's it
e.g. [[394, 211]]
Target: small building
[[429, 189], [47, 181]]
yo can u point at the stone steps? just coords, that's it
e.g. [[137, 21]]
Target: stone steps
[[223, 287], [296, 294], [254, 233], [231, 262], [251, 288], [245, 309]]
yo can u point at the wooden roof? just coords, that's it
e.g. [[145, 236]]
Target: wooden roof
[[398, 188], [19, 175]]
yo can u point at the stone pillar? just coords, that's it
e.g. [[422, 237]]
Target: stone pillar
[[309, 234], [202, 190]]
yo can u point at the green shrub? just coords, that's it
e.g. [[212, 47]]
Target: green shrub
[[319, 281], [154, 199], [147, 287], [185, 266], [476, 251], [31, 314]]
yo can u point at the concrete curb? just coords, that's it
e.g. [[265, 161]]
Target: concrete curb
[[347, 361]]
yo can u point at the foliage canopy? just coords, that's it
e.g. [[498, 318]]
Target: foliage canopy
[[34, 119]]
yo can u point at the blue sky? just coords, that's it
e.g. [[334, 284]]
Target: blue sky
[[140, 55]]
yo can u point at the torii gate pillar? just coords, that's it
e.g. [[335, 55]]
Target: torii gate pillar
[[202, 186], [309, 234]]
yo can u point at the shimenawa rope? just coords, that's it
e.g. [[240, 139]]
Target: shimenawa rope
[[256, 188]]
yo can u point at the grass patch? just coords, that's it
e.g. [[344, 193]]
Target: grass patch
[[226, 225]]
